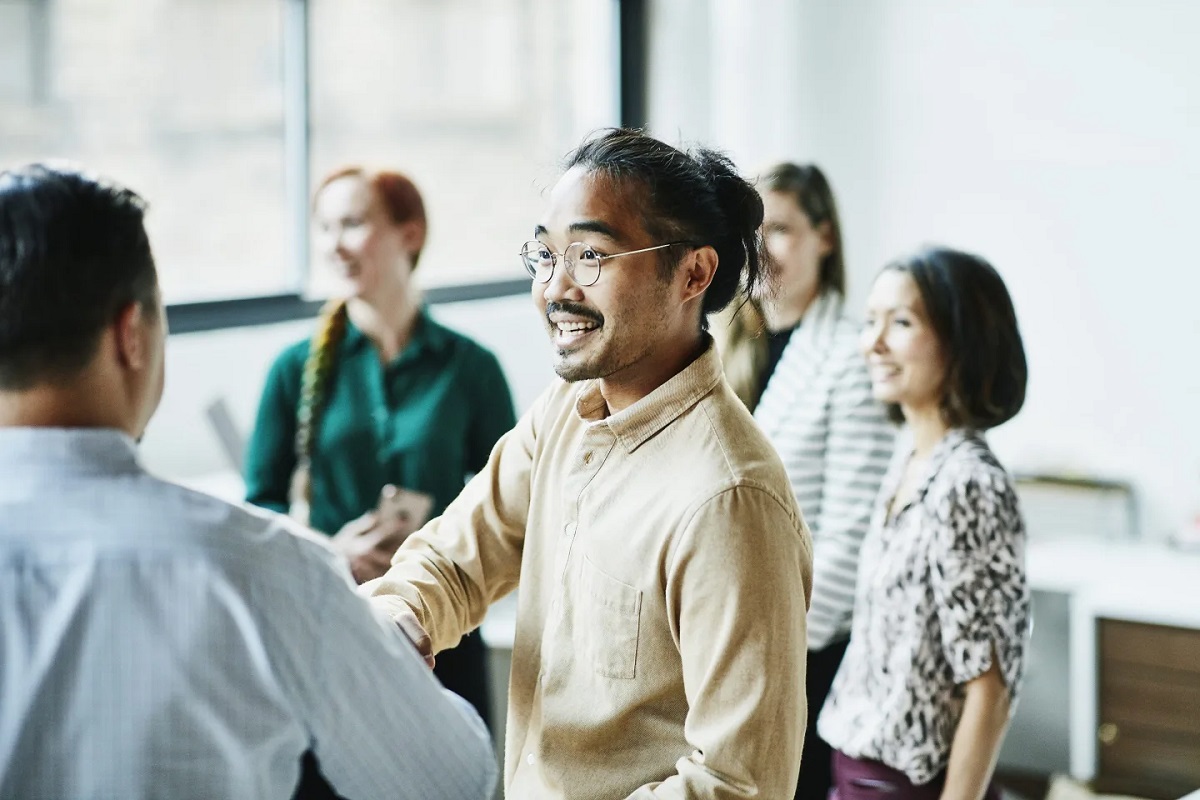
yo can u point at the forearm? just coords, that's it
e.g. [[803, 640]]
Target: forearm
[[439, 591], [976, 743], [451, 570], [388, 703]]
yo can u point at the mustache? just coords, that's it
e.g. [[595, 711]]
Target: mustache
[[574, 309]]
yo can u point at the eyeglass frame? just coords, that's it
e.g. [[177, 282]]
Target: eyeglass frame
[[570, 265]]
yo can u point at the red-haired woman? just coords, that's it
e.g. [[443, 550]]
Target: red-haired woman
[[381, 397]]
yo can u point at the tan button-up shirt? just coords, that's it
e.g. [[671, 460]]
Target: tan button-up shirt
[[664, 574]]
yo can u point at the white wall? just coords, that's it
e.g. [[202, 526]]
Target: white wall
[[1059, 139], [179, 442]]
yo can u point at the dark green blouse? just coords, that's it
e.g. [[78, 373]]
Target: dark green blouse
[[426, 421]]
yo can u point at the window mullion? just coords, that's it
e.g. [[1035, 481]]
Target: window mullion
[[296, 137]]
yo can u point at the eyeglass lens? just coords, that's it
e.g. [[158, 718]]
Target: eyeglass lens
[[582, 263]]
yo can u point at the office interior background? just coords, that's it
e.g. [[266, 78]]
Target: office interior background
[[1060, 139]]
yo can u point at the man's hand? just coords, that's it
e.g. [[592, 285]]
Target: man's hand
[[369, 543], [407, 621]]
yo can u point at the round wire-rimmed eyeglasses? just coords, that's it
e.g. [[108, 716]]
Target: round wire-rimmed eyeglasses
[[582, 261]]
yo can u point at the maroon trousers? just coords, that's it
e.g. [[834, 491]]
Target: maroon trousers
[[859, 779]]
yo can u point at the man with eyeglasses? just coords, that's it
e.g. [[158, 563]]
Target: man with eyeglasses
[[663, 566]]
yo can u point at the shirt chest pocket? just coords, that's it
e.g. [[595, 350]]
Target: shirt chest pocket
[[611, 611]]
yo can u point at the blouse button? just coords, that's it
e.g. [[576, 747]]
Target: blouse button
[[529, 759], [587, 457]]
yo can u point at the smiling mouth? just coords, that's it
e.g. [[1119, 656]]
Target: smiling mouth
[[570, 334]]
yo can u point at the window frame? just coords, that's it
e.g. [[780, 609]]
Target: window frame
[[221, 314]]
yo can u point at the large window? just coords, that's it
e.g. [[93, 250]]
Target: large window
[[477, 100], [179, 99], [223, 114]]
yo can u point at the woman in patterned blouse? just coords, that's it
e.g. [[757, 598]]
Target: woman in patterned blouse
[[922, 700]]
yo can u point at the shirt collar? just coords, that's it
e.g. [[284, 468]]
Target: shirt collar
[[427, 336], [635, 425], [86, 449]]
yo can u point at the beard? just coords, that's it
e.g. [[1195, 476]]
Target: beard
[[573, 365], [581, 370], [603, 359]]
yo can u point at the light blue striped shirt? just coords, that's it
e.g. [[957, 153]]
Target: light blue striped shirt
[[158, 642]]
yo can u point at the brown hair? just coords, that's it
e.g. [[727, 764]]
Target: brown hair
[[811, 190], [398, 195], [973, 317]]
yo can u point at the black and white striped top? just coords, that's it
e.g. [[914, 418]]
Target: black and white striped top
[[835, 442]]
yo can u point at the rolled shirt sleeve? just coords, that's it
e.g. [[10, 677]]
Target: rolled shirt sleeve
[[458, 564], [977, 577]]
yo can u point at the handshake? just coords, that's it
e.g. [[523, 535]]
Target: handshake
[[370, 541]]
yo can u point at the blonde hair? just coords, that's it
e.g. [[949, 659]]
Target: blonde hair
[[739, 332], [314, 390]]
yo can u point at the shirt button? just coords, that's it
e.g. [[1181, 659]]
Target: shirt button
[[529, 759], [587, 457], [568, 529]]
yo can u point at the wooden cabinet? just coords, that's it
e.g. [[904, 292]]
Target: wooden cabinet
[[1149, 732]]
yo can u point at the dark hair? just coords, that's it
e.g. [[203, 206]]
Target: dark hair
[[73, 253], [973, 317], [695, 197], [811, 191], [397, 194]]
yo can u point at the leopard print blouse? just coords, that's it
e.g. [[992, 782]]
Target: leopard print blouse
[[939, 584]]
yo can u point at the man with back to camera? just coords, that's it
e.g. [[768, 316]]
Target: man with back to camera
[[157, 642], [663, 565]]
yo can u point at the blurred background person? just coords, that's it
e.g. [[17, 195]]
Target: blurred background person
[[793, 358], [378, 419], [922, 700]]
